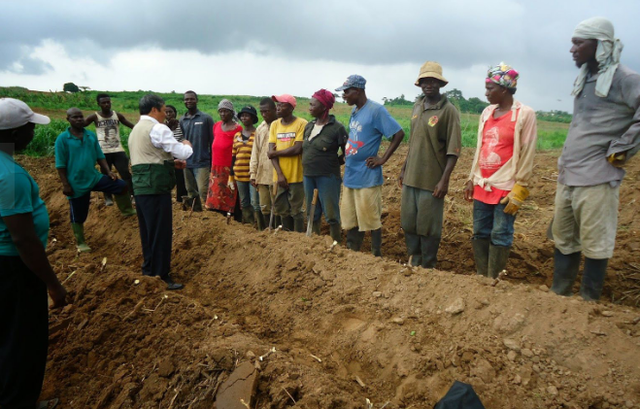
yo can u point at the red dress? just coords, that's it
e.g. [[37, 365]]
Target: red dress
[[220, 197]]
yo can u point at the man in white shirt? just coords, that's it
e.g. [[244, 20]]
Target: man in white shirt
[[153, 148]]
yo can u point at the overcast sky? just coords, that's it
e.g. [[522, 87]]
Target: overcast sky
[[257, 47]]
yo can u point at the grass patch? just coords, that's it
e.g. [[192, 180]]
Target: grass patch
[[551, 135]]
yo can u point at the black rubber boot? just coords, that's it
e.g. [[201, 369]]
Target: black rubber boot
[[565, 271], [260, 223], [429, 246], [316, 227], [196, 204], [481, 255], [498, 257], [247, 216], [354, 239], [287, 223], [593, 278], [298, 224], [336, 232], [186, 202], [414, 249], [376, 242]]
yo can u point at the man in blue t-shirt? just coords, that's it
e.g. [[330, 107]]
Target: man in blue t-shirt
[[361, 207]]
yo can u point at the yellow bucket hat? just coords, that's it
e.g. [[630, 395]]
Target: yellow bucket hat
[[431, 69]]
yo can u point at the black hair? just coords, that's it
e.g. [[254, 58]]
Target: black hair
[[148, 102], [268, 101], [100, 96], [172, 107], [511, 90], [191, 92]]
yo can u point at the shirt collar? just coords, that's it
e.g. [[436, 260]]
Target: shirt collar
[[439, 105], [148, 118], [332, 119], [70, 135]]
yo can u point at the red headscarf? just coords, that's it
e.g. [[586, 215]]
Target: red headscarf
[[326, 98]]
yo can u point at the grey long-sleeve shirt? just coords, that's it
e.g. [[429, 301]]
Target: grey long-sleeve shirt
[[601, 127], [198, 129]]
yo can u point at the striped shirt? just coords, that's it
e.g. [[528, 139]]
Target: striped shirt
[[177, 133], [242, 153]]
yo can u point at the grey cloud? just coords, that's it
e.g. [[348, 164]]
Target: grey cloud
[[533, 36]]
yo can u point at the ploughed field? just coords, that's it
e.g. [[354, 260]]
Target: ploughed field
[[345, 326]]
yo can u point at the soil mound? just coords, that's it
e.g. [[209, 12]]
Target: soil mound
[[345, 326]]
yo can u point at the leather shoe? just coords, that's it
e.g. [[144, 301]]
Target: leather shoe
[[173, 286]]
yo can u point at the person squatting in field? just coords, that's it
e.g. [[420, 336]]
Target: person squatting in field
[[501, 170], [361, 207], [434, 147], [108, 131], [604, 134], [77, 151]]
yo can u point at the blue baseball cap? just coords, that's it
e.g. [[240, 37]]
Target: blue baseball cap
[[353, 81]]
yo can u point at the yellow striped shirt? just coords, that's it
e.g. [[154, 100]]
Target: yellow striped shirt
[[242, 153]]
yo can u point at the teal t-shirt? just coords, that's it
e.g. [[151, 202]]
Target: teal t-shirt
[[79, 157], [19, 194]]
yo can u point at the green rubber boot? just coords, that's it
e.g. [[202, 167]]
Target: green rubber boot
[[481, 255], [78, 232], [124, 204]]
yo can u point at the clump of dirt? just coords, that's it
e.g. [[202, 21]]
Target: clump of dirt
[[346, 326]]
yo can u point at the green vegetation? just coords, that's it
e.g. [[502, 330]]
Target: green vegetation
[[551, 132], [554, 116]]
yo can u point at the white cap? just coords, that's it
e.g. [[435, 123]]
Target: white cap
[[15, 113]]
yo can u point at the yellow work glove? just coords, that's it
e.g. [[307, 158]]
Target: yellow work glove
[[514, 199], [617, 159], [231, 183]]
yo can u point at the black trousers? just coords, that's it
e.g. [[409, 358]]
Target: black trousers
[[155, 219], [24, 334], [181, 189], [121, 162]]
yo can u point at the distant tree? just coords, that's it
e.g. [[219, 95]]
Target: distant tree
[[397, 101], [554, 116], [84, 87], [70, 87], [454, 94], [472, 105], [476, 105]]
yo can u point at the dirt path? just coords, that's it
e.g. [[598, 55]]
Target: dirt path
[[346, 326]]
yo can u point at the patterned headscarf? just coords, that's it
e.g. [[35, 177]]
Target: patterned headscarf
[[503, 75], [607, 54], [326, 98], [226, 104]]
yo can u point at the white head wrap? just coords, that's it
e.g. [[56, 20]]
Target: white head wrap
[[607, 54]]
